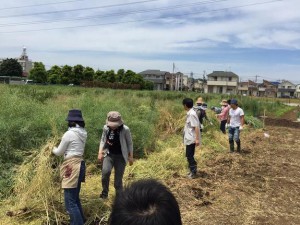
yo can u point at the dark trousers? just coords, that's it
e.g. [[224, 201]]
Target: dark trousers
[[72, 200], [223, 126], [118, 163], [189, 153]]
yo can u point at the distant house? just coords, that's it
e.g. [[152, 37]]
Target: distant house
[[286, 89], [297, 92], [267, 89], [248, 88], [157, 77], [222, 82]]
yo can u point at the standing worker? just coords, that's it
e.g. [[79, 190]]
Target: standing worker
[[223, 116], [191, 136], [115, 150], [72, 170], [200, 109], [236, 122]]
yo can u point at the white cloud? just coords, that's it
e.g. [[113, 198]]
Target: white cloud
[[196, 33]]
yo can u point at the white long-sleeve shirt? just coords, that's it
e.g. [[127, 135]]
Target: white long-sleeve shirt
[[72, 143]]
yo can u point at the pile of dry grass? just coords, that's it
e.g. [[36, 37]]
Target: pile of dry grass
[[36, 195]]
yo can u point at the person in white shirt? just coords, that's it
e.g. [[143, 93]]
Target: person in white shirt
[[72, 170], [236, 122], [191, 135]]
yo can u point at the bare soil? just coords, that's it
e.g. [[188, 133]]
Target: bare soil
[[259, 186]]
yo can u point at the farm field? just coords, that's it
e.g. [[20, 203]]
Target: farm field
[[258, 186]]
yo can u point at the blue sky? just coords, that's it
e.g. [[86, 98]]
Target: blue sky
[[250, 37]]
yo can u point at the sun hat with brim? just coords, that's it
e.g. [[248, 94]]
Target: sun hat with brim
[[75, 115], [224, 102], [199, 101], [114, 119]]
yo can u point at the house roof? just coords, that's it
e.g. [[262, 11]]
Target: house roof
[[222, 74], [153, 72]]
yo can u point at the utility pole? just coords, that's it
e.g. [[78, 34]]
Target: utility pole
[[172, 77]]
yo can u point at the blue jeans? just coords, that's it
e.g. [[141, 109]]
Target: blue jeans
[[72, 201], [234, 133]]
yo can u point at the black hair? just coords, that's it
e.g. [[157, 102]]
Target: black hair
[[228, 101], [146, 202], [188, 102], [73, 123]]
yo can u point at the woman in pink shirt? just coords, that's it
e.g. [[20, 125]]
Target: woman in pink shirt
[[224, 115]]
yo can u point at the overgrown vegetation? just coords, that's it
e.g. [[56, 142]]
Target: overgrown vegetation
[[32, 120]]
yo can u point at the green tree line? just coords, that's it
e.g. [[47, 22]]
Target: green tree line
[[77, 74]]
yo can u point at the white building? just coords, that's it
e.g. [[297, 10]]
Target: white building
[[222, 82], [24, 61]]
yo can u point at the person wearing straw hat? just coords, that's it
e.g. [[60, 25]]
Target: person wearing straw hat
[[72, 170], [115, 150], [236, 122], [223, 116], [200, 109]]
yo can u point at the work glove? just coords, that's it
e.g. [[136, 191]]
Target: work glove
[[241, 128]]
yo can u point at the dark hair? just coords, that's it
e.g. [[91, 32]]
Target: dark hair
[[146, 202], [73, 123], [228, 101], [188, 102]]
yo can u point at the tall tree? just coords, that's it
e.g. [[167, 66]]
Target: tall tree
[[38, 73], [120, 75], [99, 75], [77, 74], [110, 76], [54, 74], [66, 74], [11, 67], [88, 74]]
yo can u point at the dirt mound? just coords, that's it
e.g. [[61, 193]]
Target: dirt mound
[[289, 119], [259, 186]]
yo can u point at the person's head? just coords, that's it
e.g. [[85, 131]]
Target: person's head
[[199, 101], [114, 120], [146, 202], [233, 103], [224, 102], [75, 118], [187, 103]]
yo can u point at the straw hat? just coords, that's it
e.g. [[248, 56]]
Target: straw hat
[[114, 119], [199, 100], [224, 102]]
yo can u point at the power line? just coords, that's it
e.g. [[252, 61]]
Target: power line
[[37, 5], [114, 14], [140, 20], [81, 9]]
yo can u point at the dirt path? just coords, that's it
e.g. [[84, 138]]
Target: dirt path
[[259, 186]]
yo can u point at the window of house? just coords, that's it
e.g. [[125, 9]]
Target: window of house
[[229, 78], [289, 87], [215, 78]]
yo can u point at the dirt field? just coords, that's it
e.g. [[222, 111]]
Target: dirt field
[[259, 186]]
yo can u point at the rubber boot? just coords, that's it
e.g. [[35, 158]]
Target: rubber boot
[[238, 143], [231, 145]]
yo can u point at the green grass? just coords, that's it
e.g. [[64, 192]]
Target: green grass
[[31, 115]]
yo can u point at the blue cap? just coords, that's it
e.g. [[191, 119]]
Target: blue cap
[[233, 101]]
